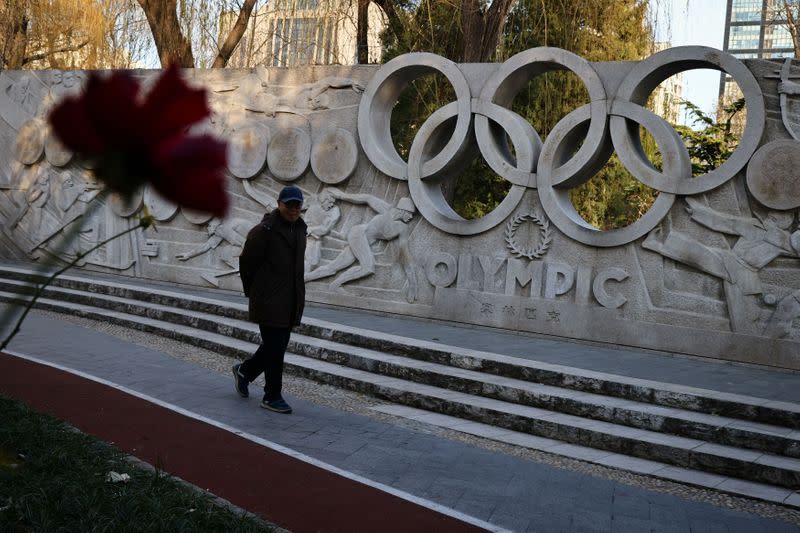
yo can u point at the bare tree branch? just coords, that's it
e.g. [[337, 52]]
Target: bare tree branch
[[791, 21], [43, 55], [235, 35]]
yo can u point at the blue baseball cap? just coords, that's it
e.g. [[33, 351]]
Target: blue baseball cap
[[291, 193]]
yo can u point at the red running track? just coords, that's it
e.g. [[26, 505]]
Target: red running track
[[281, 489]]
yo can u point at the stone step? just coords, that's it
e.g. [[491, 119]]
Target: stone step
[[743, 407], [713, 428], [618, 461], [774, 439], [118, 287], [679, 451]]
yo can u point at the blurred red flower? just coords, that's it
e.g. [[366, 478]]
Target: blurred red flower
[[134, 140]]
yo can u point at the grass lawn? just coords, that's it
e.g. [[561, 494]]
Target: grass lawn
[[53, 478]]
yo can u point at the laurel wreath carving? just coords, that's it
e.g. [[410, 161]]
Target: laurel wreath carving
[[546, 235]]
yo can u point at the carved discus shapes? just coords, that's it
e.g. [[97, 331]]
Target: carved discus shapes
[[289, 153], [159, 207], [247, 150], [196, 217], [334, 156], [125, 209], [30, 141], [772, 175], [56, 153]]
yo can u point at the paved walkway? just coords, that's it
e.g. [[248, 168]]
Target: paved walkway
[[497, 490], [244, 470]]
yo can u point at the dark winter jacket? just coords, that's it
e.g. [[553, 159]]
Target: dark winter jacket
[[271, 267]]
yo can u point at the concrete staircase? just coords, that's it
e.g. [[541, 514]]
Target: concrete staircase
[[738, 444]]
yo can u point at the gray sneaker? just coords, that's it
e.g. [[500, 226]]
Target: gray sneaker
[[240, 382]]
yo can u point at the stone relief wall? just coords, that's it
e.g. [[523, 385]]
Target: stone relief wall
[[712, 269]]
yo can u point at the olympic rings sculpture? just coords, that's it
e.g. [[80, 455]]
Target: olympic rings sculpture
[[608, 123]]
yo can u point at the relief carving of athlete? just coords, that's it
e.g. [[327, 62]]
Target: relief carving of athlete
[[390, 223]]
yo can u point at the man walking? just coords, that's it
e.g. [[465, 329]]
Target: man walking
[[271, 267]]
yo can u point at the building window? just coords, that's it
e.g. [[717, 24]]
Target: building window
[[294, 5], [777, 37], [296, 41], [744, 37], [331, 42], [779, 55], [746, 10], [304, 32], [279, 45]]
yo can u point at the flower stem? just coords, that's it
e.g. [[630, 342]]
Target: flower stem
[[40, 288], [71, 231]]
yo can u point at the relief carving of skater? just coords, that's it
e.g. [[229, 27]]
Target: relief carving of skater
[[232, 233], [390, 223]]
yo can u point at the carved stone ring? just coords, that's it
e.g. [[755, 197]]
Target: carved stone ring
[[557, 204], [504, 85], [380, 96], [645, 77], [427, 193], [606, 124]]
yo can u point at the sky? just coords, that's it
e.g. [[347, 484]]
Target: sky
[[695, 22]]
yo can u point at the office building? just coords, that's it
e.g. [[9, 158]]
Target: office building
[[755, 29]]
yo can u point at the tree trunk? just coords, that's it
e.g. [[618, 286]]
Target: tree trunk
[[16, 41], [388, 6], [791, 22], [362, 30], [482, 29], [235, 35], [170, 42]]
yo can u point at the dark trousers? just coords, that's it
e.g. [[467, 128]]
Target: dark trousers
[[269, 360]]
